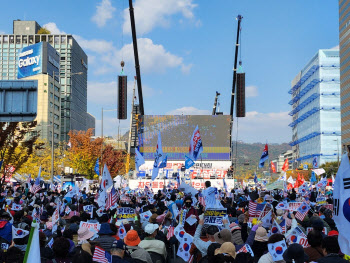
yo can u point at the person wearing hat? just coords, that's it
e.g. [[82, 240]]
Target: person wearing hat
[[105, 237], [132, 241], [202, 245], [295, 253], [226, 248], [118, 252], [150, 244], [260, 243]]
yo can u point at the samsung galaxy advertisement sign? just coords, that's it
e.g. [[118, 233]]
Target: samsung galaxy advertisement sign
[[40, 58], [30, 61]]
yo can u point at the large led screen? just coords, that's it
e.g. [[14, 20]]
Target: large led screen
[[176, 132]]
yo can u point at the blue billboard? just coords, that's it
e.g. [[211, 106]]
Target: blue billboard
[[30, 61]]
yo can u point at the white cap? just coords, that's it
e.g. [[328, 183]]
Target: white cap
[[150, 228]]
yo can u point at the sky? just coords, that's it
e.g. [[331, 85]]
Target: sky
[[186, 50]]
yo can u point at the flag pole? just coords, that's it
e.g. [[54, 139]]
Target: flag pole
[[29, 241]]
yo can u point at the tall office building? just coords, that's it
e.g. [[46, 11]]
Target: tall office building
[[73, 60], [90, 123], [344, 49], [316, 110]]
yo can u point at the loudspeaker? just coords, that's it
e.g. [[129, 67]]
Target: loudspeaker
[[122, 97], [240, 105]]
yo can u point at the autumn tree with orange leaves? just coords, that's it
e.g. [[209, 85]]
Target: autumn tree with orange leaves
[[84, 151]]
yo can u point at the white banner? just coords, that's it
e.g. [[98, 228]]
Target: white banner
[[196, 183]]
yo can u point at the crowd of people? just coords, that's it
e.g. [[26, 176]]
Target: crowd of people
[[170, 225]]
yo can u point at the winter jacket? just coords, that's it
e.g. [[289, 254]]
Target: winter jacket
[[259, 249], [332, 258], [314, 253], [105, 242]]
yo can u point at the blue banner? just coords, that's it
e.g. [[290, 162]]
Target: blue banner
[[30, 61], [97, 168]]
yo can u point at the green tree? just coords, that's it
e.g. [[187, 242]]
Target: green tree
[[44, 31], [330, 168]]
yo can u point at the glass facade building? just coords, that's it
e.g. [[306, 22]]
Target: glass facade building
[[344, 48], [73, 59], [316, 110]]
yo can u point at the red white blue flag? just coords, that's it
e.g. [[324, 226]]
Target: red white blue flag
[[101, 256], [264, 156], [196, 146]]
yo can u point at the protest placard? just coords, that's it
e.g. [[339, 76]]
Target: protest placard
[[214, 216], [94, 227], [126, 213], [293, 206]]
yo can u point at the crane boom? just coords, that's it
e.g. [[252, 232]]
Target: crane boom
[[215, 103]]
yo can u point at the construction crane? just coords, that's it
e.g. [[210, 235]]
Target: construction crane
[[216, 107]]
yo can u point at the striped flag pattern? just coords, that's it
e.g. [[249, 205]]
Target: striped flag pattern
[[36, 187], [101, 256], [112, 198], [256, 209], [170, 232]]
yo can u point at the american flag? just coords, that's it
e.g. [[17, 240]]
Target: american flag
[[170, 232], [246, 249], [255, 209], [302, 211], [112, 198], [101, 256], [36, 186], [283, 226]]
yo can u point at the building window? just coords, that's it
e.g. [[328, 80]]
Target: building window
[[51, 105], [57, 39], [63, 39], [57, 89], [51, 95], [6, 39], [56, 98], [56, 107], [31, 39], [12, 40], [18, 39], [56, 117]]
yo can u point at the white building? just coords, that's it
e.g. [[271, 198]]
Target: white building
[[316, 110]]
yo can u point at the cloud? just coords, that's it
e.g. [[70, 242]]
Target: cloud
[[2, 32], [154, 13], [52, 27], [153, 57], [251, 91], [104, 12], [107, 92], [336, 47], [258, 127], [95, 45], [188, 111]]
